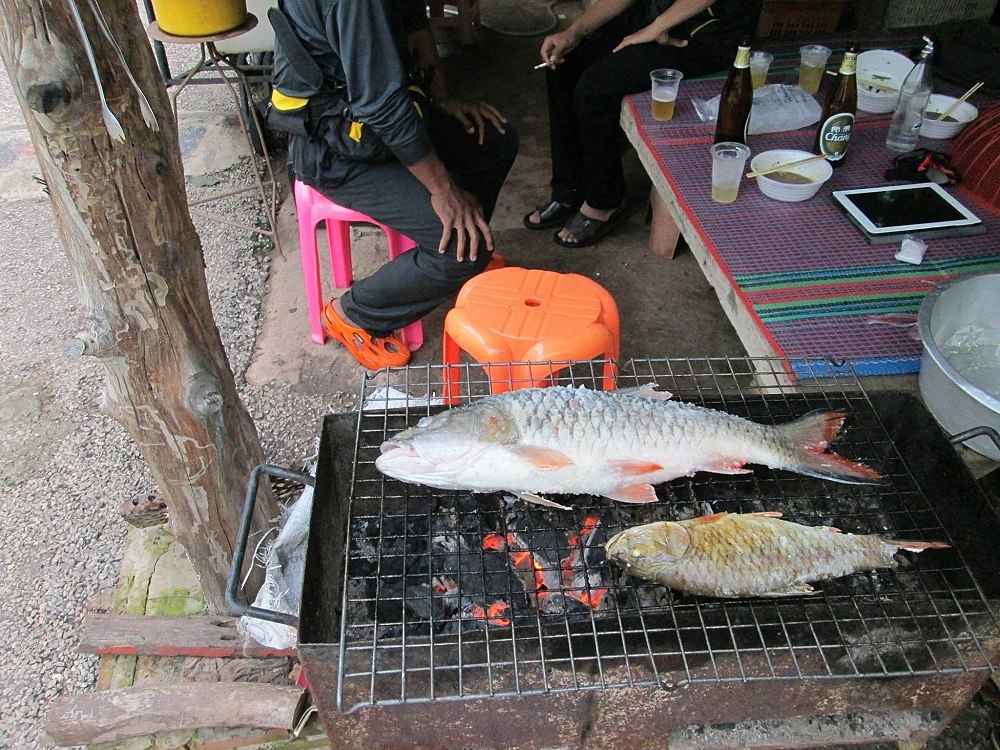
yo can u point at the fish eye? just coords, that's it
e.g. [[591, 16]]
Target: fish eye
[[424, 421]]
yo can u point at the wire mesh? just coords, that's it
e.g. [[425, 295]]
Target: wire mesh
[[439, 603]]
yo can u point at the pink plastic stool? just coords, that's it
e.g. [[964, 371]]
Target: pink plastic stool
[[311, 208]]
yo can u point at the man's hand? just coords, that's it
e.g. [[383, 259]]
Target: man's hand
[[460, 212], [474, 116], [555, 47], [651, 33]]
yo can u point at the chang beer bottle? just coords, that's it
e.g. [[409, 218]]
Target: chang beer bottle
[[736, 99], [837, 120]]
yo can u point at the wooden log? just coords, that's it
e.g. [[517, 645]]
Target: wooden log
[[114, 715], [214, 637]]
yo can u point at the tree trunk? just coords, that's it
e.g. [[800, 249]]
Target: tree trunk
[[122, 214]]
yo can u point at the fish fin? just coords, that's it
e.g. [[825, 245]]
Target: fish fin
[[545, 459], [711, 518], [798, 589], [633, 493], [767, 514], [531, 497], [810, 436], [648, 390], [918, 546], [636, 467], [726, 466]]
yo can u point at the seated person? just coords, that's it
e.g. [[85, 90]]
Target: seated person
[[438, 178], [605, 54]]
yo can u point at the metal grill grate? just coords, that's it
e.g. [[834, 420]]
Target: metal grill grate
[[423, 614]]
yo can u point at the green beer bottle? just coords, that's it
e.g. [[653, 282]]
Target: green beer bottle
[[837, 120]]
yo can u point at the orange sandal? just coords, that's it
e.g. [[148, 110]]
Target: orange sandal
[[374, 352]]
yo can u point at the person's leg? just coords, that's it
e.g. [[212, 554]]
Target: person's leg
[[597, 102], [479, 168], [407, 288], [565, 137]]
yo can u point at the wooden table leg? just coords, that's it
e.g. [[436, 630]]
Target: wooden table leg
[[664, 232]]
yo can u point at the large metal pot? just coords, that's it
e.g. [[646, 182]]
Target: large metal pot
[[957, 404]]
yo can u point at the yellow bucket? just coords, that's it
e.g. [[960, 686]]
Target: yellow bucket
[[199, 17]]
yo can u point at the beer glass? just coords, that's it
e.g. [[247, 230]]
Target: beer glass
[[811, 66], [728, 160], [665, 82], [759, 64]]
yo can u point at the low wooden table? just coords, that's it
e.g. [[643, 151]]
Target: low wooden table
[[798, 280]]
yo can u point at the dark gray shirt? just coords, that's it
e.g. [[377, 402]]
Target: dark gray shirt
[[360, 45]]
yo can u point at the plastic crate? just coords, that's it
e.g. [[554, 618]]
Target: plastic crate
[[799, 17]]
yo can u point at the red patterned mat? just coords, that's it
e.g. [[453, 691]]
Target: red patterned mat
[[813, 284]]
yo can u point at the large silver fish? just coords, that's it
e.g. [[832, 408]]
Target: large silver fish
[[617, 444], [752, 554]]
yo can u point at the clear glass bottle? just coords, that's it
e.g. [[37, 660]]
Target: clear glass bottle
[[913, 95]]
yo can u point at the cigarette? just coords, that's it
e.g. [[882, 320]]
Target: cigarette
[[540, 66]]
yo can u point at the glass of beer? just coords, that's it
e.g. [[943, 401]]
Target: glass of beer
[[811, 66], [759, 64], [665, 82], [728, 161]]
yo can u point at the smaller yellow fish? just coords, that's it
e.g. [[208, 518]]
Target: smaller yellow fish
[[752, 554]]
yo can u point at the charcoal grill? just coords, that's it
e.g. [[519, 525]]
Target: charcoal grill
[[439, 618]]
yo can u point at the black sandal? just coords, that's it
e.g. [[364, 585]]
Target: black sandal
[[552, 214], [590, 231]]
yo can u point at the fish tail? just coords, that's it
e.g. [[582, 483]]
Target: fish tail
[[910, 546], [809, 436]]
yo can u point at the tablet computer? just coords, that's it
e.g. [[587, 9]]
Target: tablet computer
[[886, 213]]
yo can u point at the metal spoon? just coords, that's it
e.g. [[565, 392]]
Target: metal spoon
[[147, 111], [111, 123]]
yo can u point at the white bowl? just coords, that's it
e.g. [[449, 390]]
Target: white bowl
[[887, 69], [817, 171], [933, 128]]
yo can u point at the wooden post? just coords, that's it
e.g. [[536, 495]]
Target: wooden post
[[122, 215]]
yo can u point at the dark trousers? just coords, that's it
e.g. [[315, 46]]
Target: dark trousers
[[409, 287], [585, 95]]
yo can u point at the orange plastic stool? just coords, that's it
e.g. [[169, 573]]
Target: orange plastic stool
[[542, 319], [313, 208]]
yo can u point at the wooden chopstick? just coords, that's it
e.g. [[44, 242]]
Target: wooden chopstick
[[786, 165], [961, 99]]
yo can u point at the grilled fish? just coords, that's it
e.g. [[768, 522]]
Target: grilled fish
[[612, 443], [753, 554]]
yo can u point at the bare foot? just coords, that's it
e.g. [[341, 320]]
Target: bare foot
[[591, 213]]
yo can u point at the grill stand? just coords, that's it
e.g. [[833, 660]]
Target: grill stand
[[680, 715], [793, 713]]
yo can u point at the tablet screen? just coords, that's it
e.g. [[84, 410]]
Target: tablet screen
[[904, 208]]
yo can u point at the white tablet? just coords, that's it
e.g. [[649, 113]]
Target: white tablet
[[898, 209]]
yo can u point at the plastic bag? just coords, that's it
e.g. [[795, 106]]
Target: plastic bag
[[776, 108], [282, 589]]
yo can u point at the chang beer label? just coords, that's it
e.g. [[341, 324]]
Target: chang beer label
[[849, 65], [835, 135]]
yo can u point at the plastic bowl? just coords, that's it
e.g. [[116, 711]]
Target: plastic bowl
[[933, 128], [886, 69], [817, 171]]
